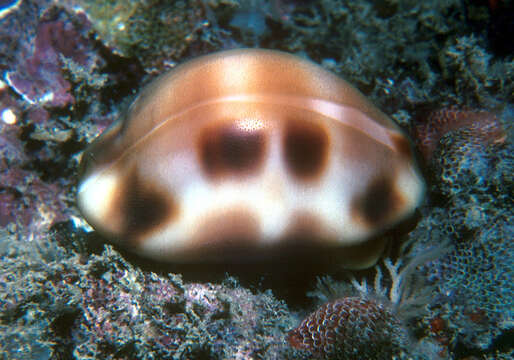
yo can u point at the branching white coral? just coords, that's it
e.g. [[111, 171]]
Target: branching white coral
[[399, 286]]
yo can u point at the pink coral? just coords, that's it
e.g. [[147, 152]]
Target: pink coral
[[482, 126], [349, 328]]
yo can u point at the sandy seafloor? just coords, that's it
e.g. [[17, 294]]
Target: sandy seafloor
[[444, 70]]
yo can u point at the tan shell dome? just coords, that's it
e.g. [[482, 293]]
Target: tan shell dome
[[249, 150]]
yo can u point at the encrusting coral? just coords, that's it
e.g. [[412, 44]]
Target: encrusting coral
[[472, 204]]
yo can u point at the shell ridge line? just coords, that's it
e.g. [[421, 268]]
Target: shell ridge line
[[330, 109]]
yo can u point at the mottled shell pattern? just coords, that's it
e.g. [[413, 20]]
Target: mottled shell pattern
[[249, 150]]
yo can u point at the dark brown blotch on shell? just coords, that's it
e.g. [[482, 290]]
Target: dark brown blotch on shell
[[144, 207], [306, 147], [378, 203], [228, 150]]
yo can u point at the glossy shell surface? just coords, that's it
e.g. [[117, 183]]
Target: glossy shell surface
[[249, 151]]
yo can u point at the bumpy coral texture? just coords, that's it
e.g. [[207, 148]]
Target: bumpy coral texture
[[349, 328], [481, 126], [475, 180]]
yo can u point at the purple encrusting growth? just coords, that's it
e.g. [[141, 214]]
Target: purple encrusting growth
[[42, 49], [38, 77], [65, 74], [27, 202]]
